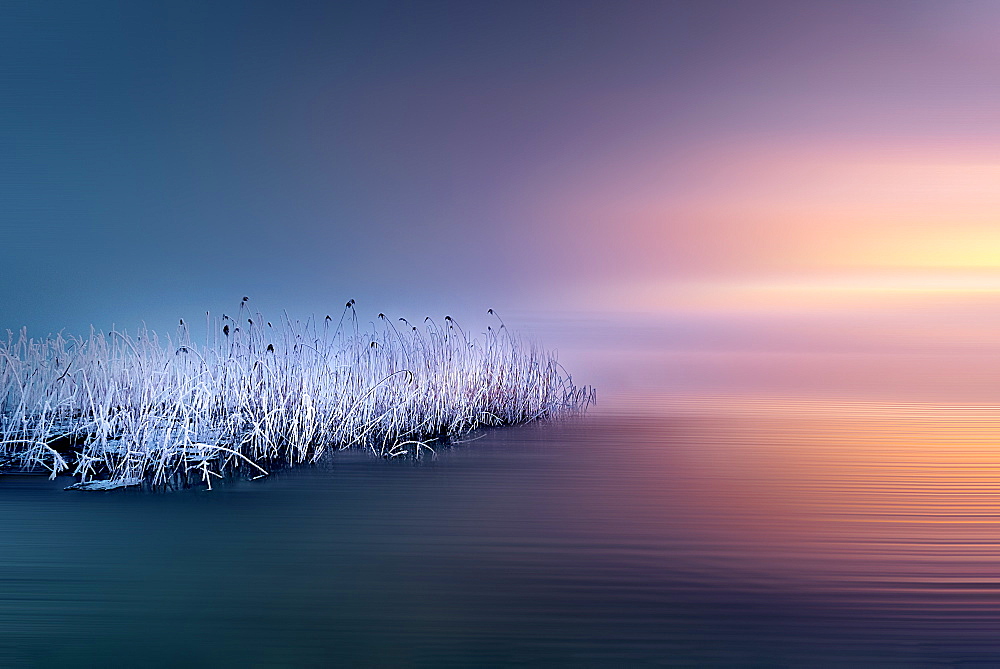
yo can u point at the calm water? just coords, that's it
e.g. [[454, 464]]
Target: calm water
[[665, 528]]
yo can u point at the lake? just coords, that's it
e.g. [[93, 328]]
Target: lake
[[714, 509]]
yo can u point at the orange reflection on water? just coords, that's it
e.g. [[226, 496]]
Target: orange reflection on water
[[875, 501]]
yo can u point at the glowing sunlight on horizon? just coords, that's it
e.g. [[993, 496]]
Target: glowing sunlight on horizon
[[805, 228]]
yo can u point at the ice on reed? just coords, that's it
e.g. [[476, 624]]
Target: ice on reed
[[117, 409]]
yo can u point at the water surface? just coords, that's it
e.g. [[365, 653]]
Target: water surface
[[660, 530]]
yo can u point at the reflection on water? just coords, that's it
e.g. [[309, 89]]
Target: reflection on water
[[660, 530]]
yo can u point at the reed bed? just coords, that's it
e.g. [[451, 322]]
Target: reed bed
[[115, 409]]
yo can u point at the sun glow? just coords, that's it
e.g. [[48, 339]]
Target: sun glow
[[798, 293], [804, 227]]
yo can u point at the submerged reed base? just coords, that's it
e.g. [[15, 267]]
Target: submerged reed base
[[118, 410]]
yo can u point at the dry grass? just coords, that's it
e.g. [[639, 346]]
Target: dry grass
[[117, 409]]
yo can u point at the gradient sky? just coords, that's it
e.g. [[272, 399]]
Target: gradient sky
[[161, 159]]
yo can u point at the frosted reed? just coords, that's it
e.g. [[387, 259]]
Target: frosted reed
[[115, 409]]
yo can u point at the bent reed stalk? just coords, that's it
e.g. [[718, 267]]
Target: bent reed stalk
[[117, 410]]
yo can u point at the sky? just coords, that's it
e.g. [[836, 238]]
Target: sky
[[708, 165]]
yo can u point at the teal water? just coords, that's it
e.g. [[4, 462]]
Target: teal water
[[656, 531]]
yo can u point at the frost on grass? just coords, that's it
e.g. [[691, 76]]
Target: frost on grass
[[116, 409]]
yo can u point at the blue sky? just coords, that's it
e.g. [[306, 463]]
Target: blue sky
[[160, 159]]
